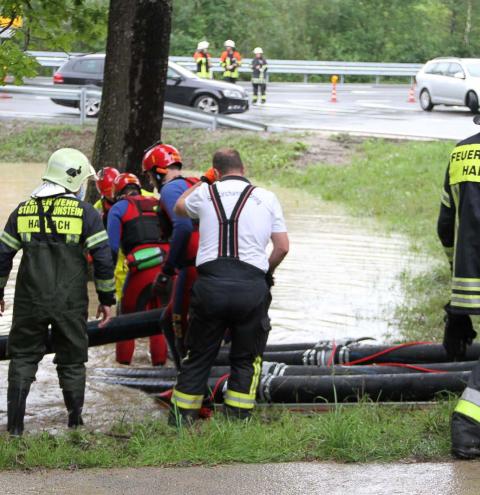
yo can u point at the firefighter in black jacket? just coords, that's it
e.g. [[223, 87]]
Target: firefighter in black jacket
[[259, 73], [54, 228], [459, 232]]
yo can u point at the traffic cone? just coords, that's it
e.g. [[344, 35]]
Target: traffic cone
[[333, 98], [411, 94]]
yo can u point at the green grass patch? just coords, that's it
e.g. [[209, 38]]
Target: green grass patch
[[367, 432]]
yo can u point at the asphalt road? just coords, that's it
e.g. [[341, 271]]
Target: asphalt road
[[381, 110]]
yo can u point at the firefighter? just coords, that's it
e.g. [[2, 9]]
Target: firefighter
[[54, 228], [104, 183], [202, 59], [163, 164], [135, 229], [259, 71], [230, 60], [237, 221], [458, 228]]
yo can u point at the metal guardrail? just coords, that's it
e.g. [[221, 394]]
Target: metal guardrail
[[302, 67], [172, 111]]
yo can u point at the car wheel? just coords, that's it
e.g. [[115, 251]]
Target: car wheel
[[472, 101], [207, 103], [92, 108], [426, 100]]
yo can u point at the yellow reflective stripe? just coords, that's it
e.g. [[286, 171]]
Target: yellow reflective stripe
[[237, 399], [468, 296], [26, 236], [463, 279], [73, 239], [186, 401], [10, 241], [64, 225], [105, 285], [3, 281], [257, 370], [468, 409], [96, 239], [465, 164], [446, 199], [461, 302]]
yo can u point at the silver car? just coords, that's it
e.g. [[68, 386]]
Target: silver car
[[449, 81]]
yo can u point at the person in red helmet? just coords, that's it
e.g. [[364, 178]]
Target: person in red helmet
[[104, 183], [135, 228], [163, 164]]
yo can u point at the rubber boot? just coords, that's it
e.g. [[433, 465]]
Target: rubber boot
[[16, 403], [74, 403], [178, 417], [236, 413], [465, 437]]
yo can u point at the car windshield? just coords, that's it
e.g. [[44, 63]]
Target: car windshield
[[474, 69], [181, 70]]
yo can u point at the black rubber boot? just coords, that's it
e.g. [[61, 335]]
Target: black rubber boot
[[16, 402], [74, 403], [465, 437], [237, 413], [182, 417]]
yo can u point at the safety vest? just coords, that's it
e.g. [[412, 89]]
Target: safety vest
[[228, 227], [203, 65], [259, 69], [459, 224], [141, 223], [227, 60]]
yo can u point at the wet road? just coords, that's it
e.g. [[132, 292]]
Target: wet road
[[269, 479], [380, 110], [341, 279]]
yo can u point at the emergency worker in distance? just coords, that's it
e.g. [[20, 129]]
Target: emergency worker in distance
[[54, 228], [259, 76], [459, 233], [135, 229], [202, 59], [230, 60]]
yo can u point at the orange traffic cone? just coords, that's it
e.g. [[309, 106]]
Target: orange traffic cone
[[411, 94]]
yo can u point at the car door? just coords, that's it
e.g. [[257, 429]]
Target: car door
[[177, 90], [439, 82], [455, 85]]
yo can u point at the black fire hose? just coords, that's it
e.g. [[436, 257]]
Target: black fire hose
[[123, 327], [318, 389]]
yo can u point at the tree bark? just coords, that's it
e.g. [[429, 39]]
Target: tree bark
[[136, 65]]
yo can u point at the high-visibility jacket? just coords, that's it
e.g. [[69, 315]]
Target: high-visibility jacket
[[204, 66], [259, 70], [459, 224], [230, 63]]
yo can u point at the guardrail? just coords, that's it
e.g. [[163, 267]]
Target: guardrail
[[302, 67], [172, 111]]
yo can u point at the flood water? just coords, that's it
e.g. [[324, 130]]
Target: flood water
[[340, 280]]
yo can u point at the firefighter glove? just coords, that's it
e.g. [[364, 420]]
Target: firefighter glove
[[459, 334], [210, 176]]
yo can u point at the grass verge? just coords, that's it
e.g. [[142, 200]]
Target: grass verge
[[367, 432]]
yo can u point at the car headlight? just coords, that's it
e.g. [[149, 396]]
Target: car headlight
[[232, 93]]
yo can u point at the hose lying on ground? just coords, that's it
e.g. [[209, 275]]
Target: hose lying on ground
[[124, 327]]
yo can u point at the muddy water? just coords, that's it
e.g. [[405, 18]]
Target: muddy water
[[340, 280]]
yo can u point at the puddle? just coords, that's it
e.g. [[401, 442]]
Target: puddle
[[338, 281]]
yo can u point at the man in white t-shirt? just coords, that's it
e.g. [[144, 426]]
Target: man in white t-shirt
[[237, 221]]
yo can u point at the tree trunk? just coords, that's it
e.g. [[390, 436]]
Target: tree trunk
[[134, 84]]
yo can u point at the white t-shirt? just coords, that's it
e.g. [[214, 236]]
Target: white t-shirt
[[261, 216]]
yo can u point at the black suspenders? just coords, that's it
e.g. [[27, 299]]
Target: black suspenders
[[228, 227]]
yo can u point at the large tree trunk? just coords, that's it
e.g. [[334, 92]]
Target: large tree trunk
[[134, 84]]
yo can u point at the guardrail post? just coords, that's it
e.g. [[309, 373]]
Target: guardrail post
[[342, 79], [305, 78], [214, 123], [83, 104], [377, 79]]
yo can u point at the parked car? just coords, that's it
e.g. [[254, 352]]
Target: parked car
[[183, 87], [449, 81]]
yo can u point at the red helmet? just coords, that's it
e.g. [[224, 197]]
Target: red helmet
[[159, 157], [124, 180], [105, 178]]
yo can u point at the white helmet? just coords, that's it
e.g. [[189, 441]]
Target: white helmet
[[229, 44], [258, 50], [203, 45]]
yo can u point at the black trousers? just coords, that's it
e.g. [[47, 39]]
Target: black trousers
[[263, 90], [228, 294]]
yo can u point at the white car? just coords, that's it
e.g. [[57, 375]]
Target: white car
[[449, 81]]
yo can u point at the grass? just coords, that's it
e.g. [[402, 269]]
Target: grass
[[396, 183], [367, 432]]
